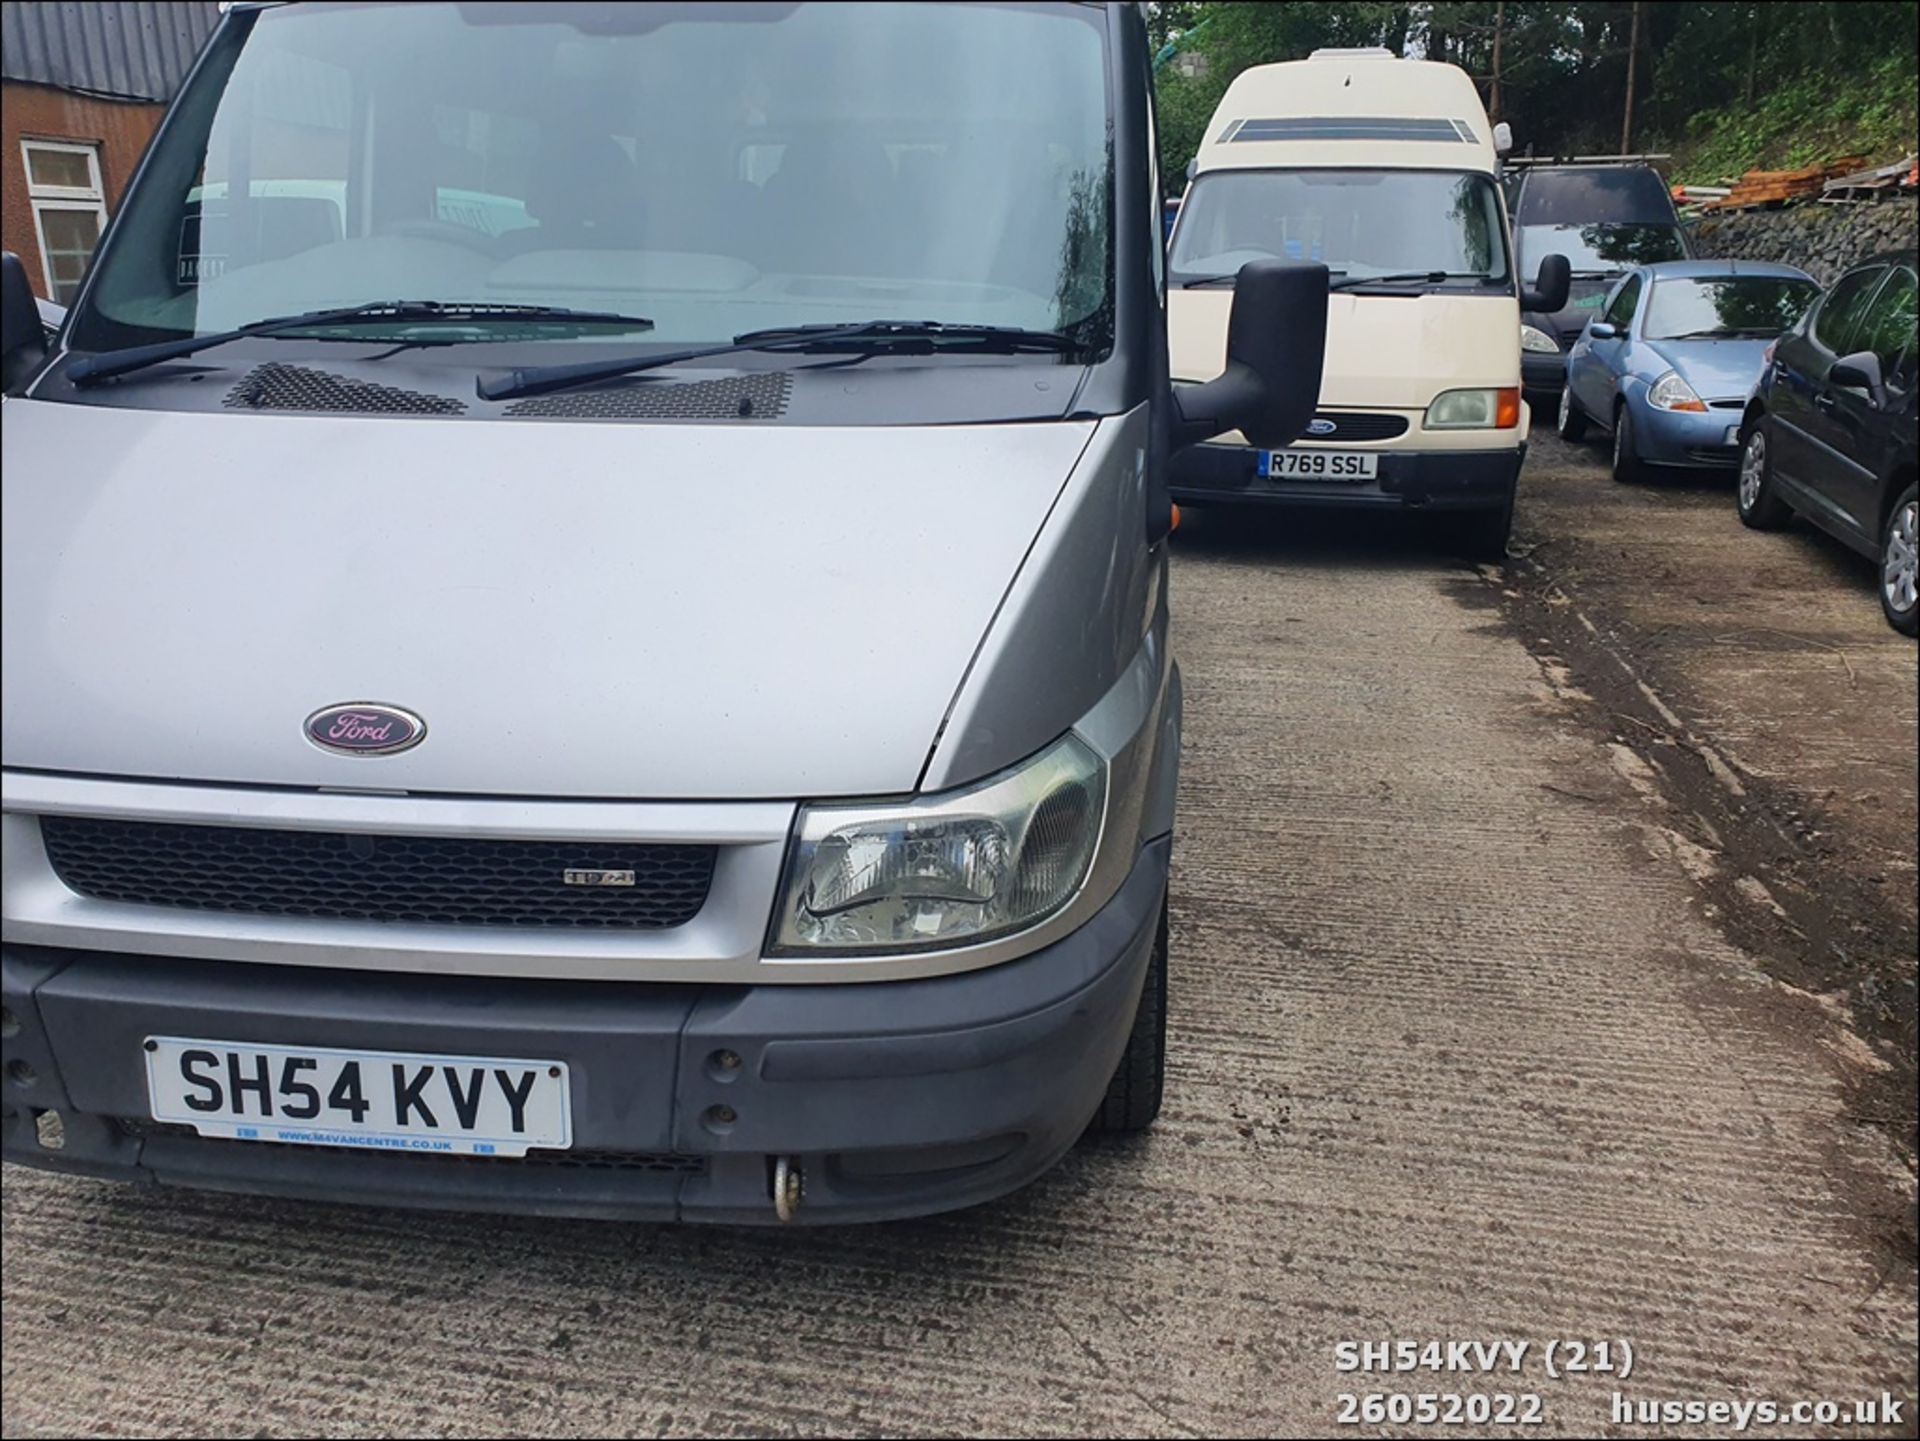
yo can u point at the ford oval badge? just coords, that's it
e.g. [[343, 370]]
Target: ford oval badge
[[1319, 426], [365, 728]]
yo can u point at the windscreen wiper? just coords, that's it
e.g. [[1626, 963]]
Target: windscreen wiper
[[1405, 277], [912, 337], [1206, 280], [107, 364]]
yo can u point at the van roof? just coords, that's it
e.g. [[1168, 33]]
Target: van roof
[[1350, 108]]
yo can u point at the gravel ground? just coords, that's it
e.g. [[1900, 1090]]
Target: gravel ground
[[1464, 1046]]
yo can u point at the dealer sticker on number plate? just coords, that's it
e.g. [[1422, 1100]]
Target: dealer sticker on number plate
[[1319, 464], [383, 1100]]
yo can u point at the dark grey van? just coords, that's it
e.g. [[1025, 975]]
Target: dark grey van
[[1606, 218]]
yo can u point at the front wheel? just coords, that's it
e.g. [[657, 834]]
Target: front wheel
[[1483, 534], [1573, 421], [1760, 507], [1899, 554], [1627, 466], [1133, 1095]]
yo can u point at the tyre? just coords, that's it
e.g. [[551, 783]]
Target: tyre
[[1572, 424], [1482, 535], [1133, 1095], [1760, 506], [1627, 466], [1899, 550]]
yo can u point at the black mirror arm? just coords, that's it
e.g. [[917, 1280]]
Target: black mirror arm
[[1204, 411]]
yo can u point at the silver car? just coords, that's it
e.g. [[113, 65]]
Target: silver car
[[586, 613]]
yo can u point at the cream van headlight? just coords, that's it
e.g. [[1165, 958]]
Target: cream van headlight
[[945, 870], [1475, 409]]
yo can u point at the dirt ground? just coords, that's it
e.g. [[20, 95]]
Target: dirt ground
[[1482, 1027], [1753, 672]]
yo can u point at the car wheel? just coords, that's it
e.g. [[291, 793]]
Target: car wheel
[[1759, 506], [1626, 459], [1573, 421], [1899, 554], [1133, 1095]]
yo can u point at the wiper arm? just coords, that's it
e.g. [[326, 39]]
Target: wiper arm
[[912, 336], [1206, 280], [1406, 277], [104, 366]]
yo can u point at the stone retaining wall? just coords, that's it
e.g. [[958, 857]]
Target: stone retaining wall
[[1823, 240]]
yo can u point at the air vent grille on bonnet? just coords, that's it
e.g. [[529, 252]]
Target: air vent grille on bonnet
[[274, 386], [761, 396]]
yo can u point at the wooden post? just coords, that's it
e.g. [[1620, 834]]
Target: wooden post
[[1633, 55]]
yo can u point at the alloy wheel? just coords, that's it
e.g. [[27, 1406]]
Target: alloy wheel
[[1902, 560], [1753, 469]]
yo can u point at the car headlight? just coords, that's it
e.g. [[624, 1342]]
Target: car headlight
[[1475, 409], [1670, 392], [945, 870], [1534, 338]]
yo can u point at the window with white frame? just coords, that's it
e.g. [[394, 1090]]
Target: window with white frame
[[69, 209]]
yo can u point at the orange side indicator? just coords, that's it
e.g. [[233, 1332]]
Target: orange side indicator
[[1506, 408], [1176, 520]]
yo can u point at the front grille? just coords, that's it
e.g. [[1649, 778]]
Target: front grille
[[1571, 333], [658, 1163], [457, 881], [1356, 425], [275, 386]]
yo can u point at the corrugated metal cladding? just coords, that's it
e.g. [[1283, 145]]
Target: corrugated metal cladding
[[122, 49]]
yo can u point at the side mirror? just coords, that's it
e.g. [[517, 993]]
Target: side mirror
[[23, 344], [1276, 343], [1550, 288], [1193, 167], [1502, 138], [1859, 371], [1600, 330]]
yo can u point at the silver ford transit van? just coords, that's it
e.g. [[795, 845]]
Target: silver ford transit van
[[586, 613]]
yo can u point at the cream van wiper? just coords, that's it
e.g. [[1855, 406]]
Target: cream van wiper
[[912, 336], [110, 363], [1432, 277]]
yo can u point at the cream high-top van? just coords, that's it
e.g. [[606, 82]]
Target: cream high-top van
[[1385, 171]]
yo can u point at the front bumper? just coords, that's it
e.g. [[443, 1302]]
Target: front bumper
[[1435, 480], [1693, 438], [897, 1098], [1542, 373]]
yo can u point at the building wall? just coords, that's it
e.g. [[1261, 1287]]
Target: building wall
[[121, 129]]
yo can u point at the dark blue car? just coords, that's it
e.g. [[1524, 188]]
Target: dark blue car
[[1668, 362]]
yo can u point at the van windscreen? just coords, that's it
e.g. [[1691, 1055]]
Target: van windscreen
[[1356, 222], [1626, 195], [716, 168]]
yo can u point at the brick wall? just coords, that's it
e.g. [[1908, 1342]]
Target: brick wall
[[37, 112]]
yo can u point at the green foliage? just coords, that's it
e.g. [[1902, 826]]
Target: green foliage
[[1804, 122], [1727, 84]]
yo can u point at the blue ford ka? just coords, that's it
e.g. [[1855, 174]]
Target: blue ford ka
[[1667, 363]]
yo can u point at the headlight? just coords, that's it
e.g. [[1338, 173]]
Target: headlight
[[1534, 338], [1670, 392], [946, 870], [1475, 409]]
